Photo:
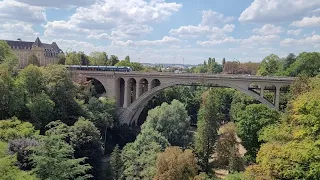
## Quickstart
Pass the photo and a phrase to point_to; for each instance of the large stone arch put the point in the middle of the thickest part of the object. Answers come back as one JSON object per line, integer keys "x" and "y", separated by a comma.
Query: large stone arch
{"x": 131, "y": 114}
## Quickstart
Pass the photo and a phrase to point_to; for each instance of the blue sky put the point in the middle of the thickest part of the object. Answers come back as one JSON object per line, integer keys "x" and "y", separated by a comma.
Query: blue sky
{"x": 159, "y": 31}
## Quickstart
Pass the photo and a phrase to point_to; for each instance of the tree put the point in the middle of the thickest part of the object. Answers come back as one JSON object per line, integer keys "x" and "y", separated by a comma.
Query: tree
{"x": 250, "y": 122}
{"x": 32, "y": 80}
{"x": 14, "y": 129}
{"x": 290, "y": 59}
{"x": 227, "y": 148}
{"x": 98, "y": 58}
{"x": 33, "y": 59}
{"x": 84, "y": 59}
{"x": 54, "y": 159}
{"x": 85, "y": 140}
{"x": 139, "y": 157}
{"x": 176, "y": 164}
{"x": 8, "y": 170}
{"x": 61, "y": 59}
{"x": 307, "y": 64}
{"x": 269, "y": 66}
{"x": 5, "y": 51}
{"x": 41, "y": 109}
{"x": 231, "y": 67}
{"x": 101, "y": 113}
{"x": 223, "y": 62}
{"x": 22, "y": 149}
{"x": 62, "y": 91}
{"x": 113, "y": 60}
{"x": 116, "y": 163}
{"x": 172, "y": 121}
{"x": 291, "y": 147}
{"x": 72, "y": 59}
{"x": 127, "y": 58}
{"x": 207, "y": 131}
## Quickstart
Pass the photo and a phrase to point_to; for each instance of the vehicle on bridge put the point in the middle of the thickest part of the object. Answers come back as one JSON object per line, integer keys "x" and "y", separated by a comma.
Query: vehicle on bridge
{"x": 100, "y": 68}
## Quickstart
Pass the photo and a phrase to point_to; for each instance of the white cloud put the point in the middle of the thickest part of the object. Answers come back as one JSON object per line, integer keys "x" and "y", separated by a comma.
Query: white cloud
{"x": 11, "y": 10}
{"x": 218, "y": 41}
{"x": 193, "y": 31}
{"x": 109, "y": 19}
{"x": 307, "y": 22}
{"x": 20, "y": 30}
{"x": 268, "y": 29}
{"x": 63, "y": 29}
{"x": 109, "y": 13}
{"x": 311, "y": 40}
{"x": 211, "y": 18}
{"x": 294, "y": 32}
{"x": 73, "y": 45}
{"x": 58, "y": 3}
{"x": 122, "y": 32}
{"x": 259, "y": 40}
{"x": 196, "y": 31}
{"x": 165, "y": 40}
{"x": 277, "y": 10}
{"x": 226, "y": 29}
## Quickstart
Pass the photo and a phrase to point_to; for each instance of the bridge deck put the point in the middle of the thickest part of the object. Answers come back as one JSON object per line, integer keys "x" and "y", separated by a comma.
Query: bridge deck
{"x": 189, "y": 75}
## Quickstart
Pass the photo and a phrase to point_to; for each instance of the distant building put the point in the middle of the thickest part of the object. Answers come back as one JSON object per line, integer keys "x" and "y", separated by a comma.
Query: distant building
{"x": 46, "y": 53}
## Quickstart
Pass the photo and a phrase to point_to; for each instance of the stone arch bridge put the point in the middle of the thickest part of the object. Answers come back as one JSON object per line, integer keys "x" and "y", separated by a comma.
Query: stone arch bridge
{"x": 133, "y": 90}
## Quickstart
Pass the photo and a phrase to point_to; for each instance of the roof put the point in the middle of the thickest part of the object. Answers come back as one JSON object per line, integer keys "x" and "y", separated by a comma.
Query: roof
{"x": 28, "y": 45}
{"x": 37, "y": 43}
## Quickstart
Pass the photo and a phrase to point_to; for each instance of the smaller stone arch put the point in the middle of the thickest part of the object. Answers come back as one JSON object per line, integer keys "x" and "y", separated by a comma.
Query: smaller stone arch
{"x": 143, "y": 86}
{"x": 120, "y": 90}
{"x": 132, "y": 91}
{"x": 283, "y": 101}
{"x": 269, "y": 93}
{"x": 256, "y": 88}
{"x": 155, "y": 83}
{"x": 98, "y": 86}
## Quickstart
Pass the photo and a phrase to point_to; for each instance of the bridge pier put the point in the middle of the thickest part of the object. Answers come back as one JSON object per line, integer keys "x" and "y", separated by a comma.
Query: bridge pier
{"x": 277, "y": 98}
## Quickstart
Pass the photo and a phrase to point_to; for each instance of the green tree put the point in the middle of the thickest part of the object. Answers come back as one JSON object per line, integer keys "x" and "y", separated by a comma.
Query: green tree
{"x": 98, "y": 58}
{"x": 113, "y": 60}
{"x": 85, "y": 140}
{"x": 62, "y": 59}
{"x": 12, "y": 98}
{"x": 14, "y": 129}
{"x": 72, "y": 59}
{"x": 33, "y": 59}
{"x": 5, "y": 51}
{"x": 54, "y": 159}
{"x": 62, "y": 91}
{"x": 223, "y": 62}
{"x": 32, "y": 80}
{"x": 177, "y": 164}
{"x": 250, "y": 122}
{"x": 172, "y": 121}
{"x": 41, "y": 109}
{"x": 207, "y": 131}
{"x": 307, "y": 64}
{"x": 8, "y": 170}
{"x": 127, "y": 58}
{"x": 290, "y": 59}
{"x": 116, "y": 163}
{"x": 139, "y": 157}
{"x": 239, "y": 102}
{"x": 269, "y": 66}
{"x": 101, "y": 113}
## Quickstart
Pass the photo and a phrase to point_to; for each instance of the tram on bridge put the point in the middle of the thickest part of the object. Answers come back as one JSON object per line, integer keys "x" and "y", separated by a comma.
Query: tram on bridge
{"x": 99, "y": 68}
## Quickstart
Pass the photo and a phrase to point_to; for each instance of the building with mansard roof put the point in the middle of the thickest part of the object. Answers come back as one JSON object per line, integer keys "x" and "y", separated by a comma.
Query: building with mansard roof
{"x": 46, "y": 53}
